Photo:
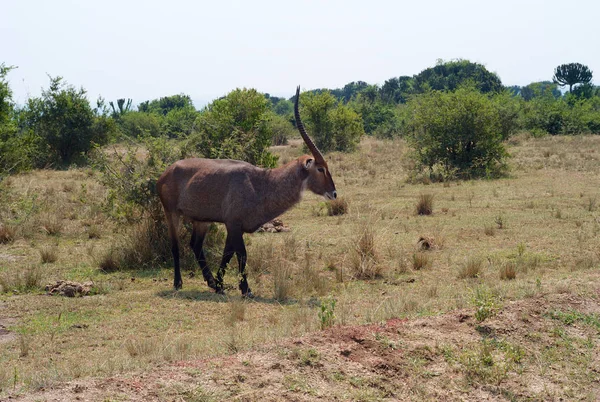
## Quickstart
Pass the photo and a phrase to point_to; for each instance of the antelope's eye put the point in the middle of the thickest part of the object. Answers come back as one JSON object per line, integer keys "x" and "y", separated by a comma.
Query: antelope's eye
{"x": 321, "y": 170}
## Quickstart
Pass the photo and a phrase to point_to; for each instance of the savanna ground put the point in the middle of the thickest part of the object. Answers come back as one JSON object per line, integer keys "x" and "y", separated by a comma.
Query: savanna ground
{"x": 504, "y": 305}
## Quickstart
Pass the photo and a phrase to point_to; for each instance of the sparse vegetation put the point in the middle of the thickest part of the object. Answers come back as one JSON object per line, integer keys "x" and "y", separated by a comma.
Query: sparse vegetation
{"x": 295, "y": 275}
{"x": 339, "y": 206}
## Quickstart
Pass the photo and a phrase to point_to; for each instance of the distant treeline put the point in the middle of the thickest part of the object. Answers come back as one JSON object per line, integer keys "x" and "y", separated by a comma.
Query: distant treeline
{"x": 61, "y": 127}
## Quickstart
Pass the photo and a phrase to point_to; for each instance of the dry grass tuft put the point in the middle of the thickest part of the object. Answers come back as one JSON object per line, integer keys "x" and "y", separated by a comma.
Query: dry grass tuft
{"x": 489, "y": 230}
{"x": 111, "y": 260}
{"x": 7, "y": 234}
{"x": 282, "y": 281}
{"x": 52, "y": 225}
{"x": 425, "y": 204}
{"x": 364, "y": 261}
{"x": 471, "y": 269}
{"x": 420, "y": 260}
{"x": 339, "y": 206}
{"x": 48, "y": 255}
{"x": 94, "y": 232}
{"x": 237, "y": 311}
{"x": 508, "y": 271}
{"x": 27, "y": 280}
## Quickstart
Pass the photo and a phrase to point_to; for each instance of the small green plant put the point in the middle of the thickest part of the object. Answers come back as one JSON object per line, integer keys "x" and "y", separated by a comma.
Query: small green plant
{"x": 485, "y": 302}
{"x": 327, "y": 313}
{"x": 521, "y": 249}
{"x": 591, "y": 204}
{"x": 424, "y": 204}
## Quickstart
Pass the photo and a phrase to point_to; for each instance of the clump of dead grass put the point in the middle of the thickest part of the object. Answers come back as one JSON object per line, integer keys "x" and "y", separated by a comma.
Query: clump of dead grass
{"x": 424, "y": 204}
{"x": 282, "y": 281}
{"x": 420, "y": 260}
{"x": 508, "y": 271}
{"x": 364, "y": 260}
{"x": 52, "y": 225}
{"x": 48, "y": 254}
{"x": 471, "y": 269}
{"x": 25, "y": 280}
{"x": 7, "y": 234}
{"x": 338, "y": 206}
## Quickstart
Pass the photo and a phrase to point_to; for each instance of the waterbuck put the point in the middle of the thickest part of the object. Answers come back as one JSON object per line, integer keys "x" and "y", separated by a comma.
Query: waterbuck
{"x": 238, "y": 194}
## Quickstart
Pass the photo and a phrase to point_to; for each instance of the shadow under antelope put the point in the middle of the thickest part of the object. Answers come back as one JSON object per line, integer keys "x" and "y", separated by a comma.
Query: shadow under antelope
{"x": 238, "y": 194}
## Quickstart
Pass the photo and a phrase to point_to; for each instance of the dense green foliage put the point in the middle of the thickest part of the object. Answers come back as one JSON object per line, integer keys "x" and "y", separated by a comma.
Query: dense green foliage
{"x": 459, "y": 131}
{"x": 451, "y": 75}
{"x": 332, "y": 125}
{"x": 236, "y": 127}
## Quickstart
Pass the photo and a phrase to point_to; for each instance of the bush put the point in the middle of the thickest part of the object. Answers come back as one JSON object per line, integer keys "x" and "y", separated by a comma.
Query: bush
{"x": 236, "y": 127}
{"x": 333, "y": 126}
{"x": 66, "y": 122}
{"x": 460, "y": 130}
{"x": 140, "y": 124}
{"x": 281, "y": 128}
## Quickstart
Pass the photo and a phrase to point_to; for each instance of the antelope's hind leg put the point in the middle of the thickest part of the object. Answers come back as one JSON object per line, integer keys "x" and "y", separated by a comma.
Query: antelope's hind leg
{"x": 198, "y": 234}
{"x": 240, "y": 251}
{"x": 173, "y": 225}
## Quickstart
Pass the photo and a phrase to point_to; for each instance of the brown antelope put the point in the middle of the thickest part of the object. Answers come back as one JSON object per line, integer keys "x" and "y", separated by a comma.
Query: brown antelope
{"x": 238, "y": 194}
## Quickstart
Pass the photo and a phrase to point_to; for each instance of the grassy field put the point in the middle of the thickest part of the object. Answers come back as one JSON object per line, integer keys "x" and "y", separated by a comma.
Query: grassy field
{"x": 514, "y": 261}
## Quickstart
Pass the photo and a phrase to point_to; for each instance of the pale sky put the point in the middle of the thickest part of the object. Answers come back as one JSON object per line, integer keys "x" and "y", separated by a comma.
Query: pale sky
{"x": 148, "y": 49}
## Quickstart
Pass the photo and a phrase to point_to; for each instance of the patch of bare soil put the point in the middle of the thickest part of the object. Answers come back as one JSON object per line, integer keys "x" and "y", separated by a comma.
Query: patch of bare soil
{"x": 448, "y": 357}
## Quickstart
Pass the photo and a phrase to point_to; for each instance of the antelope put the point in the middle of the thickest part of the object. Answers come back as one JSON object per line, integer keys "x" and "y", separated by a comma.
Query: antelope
{"x": 238, "y": 194}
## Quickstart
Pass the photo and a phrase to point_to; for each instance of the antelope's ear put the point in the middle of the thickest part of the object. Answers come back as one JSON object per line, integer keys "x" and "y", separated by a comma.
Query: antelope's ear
{"x": 308, "y": 163}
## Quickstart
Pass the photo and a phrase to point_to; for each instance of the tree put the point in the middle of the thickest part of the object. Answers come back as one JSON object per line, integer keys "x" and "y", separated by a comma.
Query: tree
{"x": 453, "y": 74}
{"x": 571, "y": 74}
{"x": 460, "y": 130}
{"x": 539, "y": 89}
{"x": 236, "y": 126}
{"x": 65, "y": 121}
{"x": 121, "y": 109}
{"x": 333, "y": 125}
{"x": 166, "y": 104}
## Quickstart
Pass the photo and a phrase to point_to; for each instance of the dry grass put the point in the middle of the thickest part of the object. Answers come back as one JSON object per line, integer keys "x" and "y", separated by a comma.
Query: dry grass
{"x": 424, "y": 205}
{"x": 133, "y": 326}
{"x": 364, "y": 260}
{"x": 508, "y": 271}
{"x": 420, "y": 260}
{"x": 471, "y": 269}
{"x": 336, "y": 207}
{"x": 7, "y": 234}
{"x": 48, "y": 254}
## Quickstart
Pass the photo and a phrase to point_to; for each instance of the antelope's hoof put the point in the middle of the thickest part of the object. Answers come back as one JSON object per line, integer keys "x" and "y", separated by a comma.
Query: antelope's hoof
{"x": 220, "y": 291}
{"x": 248, "y": 295}
{"x": 212, "y": 284}
{"x": 178, "y": 286}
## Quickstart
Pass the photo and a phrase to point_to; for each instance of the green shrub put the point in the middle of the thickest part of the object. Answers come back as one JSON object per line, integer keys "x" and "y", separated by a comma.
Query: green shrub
{"x": 332, "y": 125}
{"x": 236, "y": 127}
{"x": 460, "y": 130}
{"x": 66, "y": 122}
{"x": 140, "y": 124}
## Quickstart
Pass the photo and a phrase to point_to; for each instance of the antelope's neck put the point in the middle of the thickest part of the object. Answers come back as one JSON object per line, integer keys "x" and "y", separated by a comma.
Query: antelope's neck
{"x": 285, "y": 186}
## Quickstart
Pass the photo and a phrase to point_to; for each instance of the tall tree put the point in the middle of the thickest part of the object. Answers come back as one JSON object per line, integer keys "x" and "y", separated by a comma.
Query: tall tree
{"x": 572, "y": 74}
{"x": 452, "y": 74}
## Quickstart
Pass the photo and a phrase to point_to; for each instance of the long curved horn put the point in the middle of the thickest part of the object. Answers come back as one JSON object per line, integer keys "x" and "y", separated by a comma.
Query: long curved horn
{"x": 311, "y": 146}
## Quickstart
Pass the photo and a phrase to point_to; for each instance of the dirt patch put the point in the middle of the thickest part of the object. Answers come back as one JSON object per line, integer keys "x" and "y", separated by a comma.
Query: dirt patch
{"x": 447, "y": 357}
{"x": 69, "y": 288}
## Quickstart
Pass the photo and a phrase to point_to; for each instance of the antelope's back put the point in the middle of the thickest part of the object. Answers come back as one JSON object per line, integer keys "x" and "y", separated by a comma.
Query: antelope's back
{"x": 204, "y": 189}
